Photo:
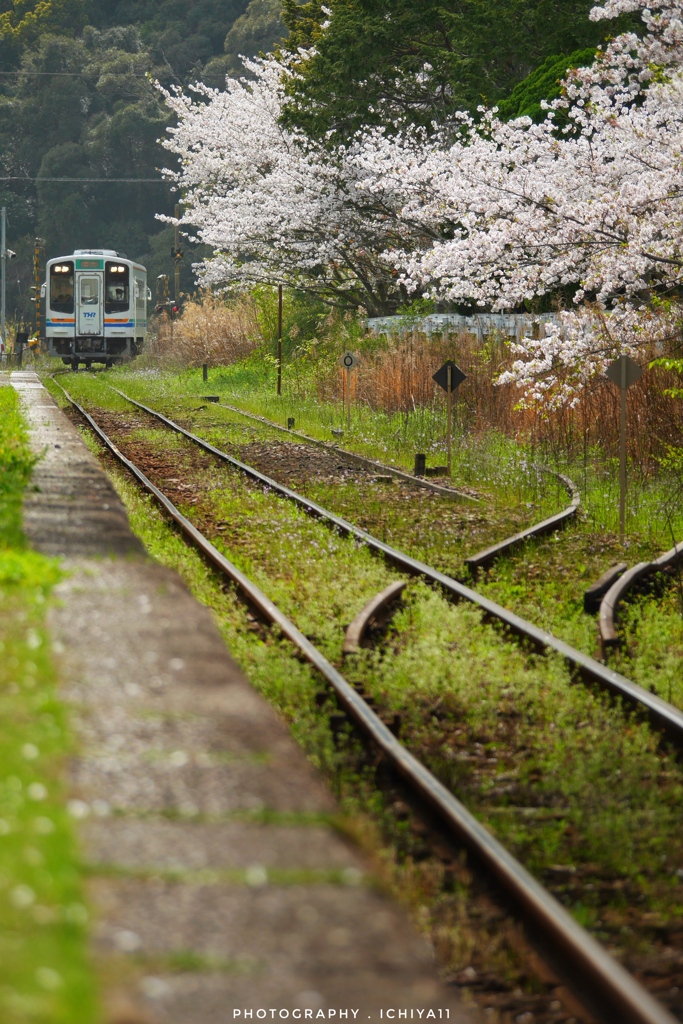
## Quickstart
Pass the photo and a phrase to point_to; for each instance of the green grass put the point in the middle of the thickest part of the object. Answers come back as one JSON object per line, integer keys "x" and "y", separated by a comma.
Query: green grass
{"x": 561, "y": 774}
{"x": 545, "y": 581}
{"x": 45, "y": 975}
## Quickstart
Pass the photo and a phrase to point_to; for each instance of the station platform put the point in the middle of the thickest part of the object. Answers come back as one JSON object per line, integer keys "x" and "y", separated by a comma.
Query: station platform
{"x": 221, "y": 888}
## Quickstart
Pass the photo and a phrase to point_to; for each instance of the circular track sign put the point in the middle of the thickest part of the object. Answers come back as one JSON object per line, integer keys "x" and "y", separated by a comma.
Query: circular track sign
{"x": 348, "y": 360}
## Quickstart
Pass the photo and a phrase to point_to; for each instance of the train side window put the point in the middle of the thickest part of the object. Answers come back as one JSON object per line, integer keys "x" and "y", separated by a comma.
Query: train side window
{"x": 62, "y": 287}
{"x": 116, "y": 288}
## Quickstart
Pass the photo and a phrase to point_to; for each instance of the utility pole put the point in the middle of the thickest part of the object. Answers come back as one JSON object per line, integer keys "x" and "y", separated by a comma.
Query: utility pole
{"x": 177, "y": 255}
{"x": 37, "y": 283}
{"x": 3, "y": 281}
{"x": 279, "y": 340}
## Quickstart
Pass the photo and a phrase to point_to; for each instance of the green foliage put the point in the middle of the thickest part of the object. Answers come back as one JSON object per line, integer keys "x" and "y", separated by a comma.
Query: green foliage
{"x": 673, "y": 365}
{"x": 542, "y": 84}
{"x": 26, "y": 20}
{"x": 384, "y": 59}
{"x": 16, "y": 464}
{"x": 256, "y": 31}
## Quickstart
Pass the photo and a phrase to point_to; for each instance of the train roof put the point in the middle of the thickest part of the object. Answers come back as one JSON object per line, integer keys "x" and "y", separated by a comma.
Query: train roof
{"x": 107, "y": 253}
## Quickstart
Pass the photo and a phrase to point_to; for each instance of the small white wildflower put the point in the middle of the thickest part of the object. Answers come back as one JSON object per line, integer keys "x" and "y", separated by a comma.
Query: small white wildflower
{"x": 33, "y": 641}
{"x": 154, "y": 988}
{"x": 78, "y": 809}
{"x": 43, "y": 826}
{"x": 30, "y": 751}
{"x": 37, "y": 791}
{"x": 256, "y": 875}
{"x": 48, "y": 979}
{"x": 76, "y": 913}
{"x": 127, "y": 941}
{"x": 22, "y": 896}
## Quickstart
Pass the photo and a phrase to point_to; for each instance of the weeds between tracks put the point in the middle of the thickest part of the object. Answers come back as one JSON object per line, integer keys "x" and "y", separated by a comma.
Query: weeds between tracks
{"x": 575, "y": 787}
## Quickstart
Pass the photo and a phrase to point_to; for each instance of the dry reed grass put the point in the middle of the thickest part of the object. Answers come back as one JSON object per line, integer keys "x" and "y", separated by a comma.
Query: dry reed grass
{"x": 208, "y": 331}
{"x": 398, "y": 378}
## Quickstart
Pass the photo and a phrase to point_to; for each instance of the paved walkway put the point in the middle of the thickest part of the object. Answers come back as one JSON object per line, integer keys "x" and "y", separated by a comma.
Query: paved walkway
{"x": 219, "y": 883}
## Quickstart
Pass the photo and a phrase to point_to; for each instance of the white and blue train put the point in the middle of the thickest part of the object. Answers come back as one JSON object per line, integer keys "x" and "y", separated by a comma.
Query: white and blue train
{"x": 95, "y": 307}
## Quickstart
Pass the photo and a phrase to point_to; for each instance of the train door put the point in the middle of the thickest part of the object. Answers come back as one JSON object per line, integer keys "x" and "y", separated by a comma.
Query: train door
{"x": 89, "y": 304}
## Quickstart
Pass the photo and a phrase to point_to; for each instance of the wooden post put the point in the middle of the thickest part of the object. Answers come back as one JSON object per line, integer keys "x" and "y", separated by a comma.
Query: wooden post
{"x": 449, "y": 401}
{"x": 348, "y": 399}
{"x": 279, "y": 340}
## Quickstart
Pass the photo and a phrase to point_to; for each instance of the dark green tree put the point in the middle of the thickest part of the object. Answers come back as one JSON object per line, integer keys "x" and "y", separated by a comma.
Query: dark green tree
{"x": 397, "y": 61}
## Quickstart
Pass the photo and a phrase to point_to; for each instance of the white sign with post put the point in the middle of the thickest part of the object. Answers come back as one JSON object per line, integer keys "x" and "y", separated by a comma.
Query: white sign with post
{"x": 349, "y": 361}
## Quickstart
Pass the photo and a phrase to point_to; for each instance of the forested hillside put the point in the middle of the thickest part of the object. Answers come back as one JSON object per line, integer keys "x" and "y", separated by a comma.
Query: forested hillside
{"x": 76, "y": 103}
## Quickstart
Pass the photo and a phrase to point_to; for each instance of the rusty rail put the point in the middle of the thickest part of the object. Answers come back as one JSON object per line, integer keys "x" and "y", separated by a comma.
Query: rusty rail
{"x": 380, "y": 603}
{"x": 609, "y": 637}
{"x": 594, "y": 594}
{"x": 601, "y": 983}
{"x": 488, "y": 555}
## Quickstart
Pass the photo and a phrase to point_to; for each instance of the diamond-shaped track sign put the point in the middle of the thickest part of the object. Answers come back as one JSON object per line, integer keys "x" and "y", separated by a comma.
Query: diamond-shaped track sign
{"x": 457, "y": 376}
{"x": 624, "y": 372}
{"x": 348, "y": 360}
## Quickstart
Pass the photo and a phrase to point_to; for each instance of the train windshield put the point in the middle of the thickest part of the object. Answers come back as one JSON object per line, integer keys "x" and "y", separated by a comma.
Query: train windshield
{"x": 116, "y": 288}
{"x": 62, "y": 287}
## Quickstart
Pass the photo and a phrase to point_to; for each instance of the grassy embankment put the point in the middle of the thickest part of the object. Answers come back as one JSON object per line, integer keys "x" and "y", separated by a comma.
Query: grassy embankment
{"x": 560, "y": 774}
{"x": 44, "y": 971}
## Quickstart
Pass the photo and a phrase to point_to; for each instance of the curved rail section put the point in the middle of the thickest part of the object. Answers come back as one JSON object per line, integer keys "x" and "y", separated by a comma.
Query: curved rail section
{"x": 373, "y": 609}
{"x": 662, "y": 714}
{"x": 609, "y": 637}
{"x": 358, "y": 460}
{"x": 488, "y": 555}
{"x": 593, "y": 596}
{"x": 600, "y": 981}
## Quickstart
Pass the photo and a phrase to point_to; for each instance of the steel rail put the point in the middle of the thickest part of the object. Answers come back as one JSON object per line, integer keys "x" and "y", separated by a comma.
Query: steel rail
{"x": 594, "y": 594}
{"x": 661, "y": 714}
{"x": 483, "y": 558}
{"x": 359, "y": 460}
{"x": 599, "y": 981}
{"x": 379, "y": 603}
{"x": 609, "y": 637}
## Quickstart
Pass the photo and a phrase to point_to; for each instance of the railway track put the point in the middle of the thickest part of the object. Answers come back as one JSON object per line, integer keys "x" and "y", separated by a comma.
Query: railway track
{"x": 662, "y": 715}
{"x": 599, "y": 982}
{"x": 481, "y": 559}
{"x": 617, "y": 592}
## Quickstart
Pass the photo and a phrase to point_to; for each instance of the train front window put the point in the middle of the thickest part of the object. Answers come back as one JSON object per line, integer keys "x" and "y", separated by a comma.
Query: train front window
{"x": 116, "y": 288}
{"x": 62, "y": 287}
{"x": 90, "y": 291}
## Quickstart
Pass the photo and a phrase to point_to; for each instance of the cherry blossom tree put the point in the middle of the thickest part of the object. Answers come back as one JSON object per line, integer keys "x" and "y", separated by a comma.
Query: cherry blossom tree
{"x": 591, "y": 206}
{"x": 276, "y": 207}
